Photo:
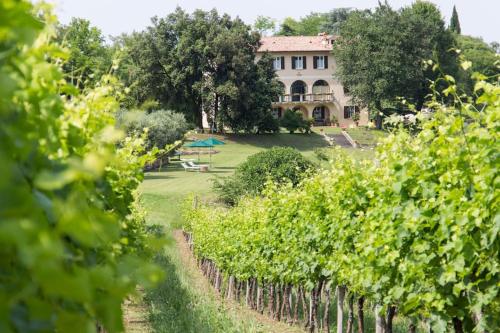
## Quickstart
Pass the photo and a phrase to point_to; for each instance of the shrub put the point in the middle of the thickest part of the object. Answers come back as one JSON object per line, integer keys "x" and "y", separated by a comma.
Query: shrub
{"x": 278, "y": 164}
{"x": 268, "y": 124}
{"x": 320, "y": 154}
{"x": 292, "y": 120}
{"x": 164, "y": 127}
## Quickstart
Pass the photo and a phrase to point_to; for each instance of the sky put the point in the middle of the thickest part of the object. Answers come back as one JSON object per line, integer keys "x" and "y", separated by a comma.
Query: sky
{"x": 479, "y": 18}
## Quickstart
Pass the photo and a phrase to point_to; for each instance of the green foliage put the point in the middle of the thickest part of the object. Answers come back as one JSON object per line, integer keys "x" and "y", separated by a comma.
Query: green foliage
{"x": 417, "y": 229}
{"x": 292, "y": 120}
{"x": 315, "y": 23}
{"x": 189, "y": 62}
{"x": 89, "y": 58}
{"x": 381, "y": 52}
{"x": 278, "y": 165}
{"x": 454, "y": 22}
{"x": 72, "y": 237}
{"x": 264, "y": 24}
{"x": 483, "y": 59}
{"x": 163, "y": 127}
{"x": 268, "y": 124}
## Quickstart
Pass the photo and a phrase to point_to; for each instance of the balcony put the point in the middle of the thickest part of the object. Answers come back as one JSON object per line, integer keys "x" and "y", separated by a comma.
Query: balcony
{"x": 306, "y": 98}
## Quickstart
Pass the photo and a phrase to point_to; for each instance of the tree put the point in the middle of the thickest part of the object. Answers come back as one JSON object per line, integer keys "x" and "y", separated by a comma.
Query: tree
{"x": 315, "y": 23}
{"x": 454, "y": 22}
{"x": 483, "y": 59}
{"x": 89, "y": 58}
{"x": 264, "y": 25}
{"x": 381, "y": 52}
{"x": 202, "y": 62}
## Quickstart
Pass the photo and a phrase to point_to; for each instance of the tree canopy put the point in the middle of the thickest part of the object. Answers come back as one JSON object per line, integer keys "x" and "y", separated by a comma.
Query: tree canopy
{"x": 314, "y": 23}
{"x": 89, "y": 57}
{"x": 202, "y": 62}
{"x": 378, "y": 67}
{"x": 454, "y": 22}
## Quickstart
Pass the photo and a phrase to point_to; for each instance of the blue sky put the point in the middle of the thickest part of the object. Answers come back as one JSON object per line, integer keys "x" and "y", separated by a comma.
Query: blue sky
{"x": 477, "y": 18}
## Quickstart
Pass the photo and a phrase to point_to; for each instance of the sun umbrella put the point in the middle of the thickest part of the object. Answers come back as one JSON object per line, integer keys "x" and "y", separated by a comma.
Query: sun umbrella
{"x": 214, "y": 141}
{"x": 201, "y": 144}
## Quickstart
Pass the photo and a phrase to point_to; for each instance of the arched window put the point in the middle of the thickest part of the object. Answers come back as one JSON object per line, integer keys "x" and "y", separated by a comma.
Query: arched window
{"x": 298, "y": 91}
{"x": 319, "y": 113}
{"x": 321, "y": 90}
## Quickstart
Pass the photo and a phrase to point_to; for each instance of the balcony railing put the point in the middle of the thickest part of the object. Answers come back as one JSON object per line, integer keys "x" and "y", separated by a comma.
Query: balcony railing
{"x": 305, "y": 98}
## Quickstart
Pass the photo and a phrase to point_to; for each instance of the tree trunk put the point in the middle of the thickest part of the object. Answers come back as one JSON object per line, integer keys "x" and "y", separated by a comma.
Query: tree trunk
{"x": 247, "y": 293}
{"x": 350, "y": 315}
{"x": 326, "y": 313}
{"x": 296, "y": 307}
{"x": 340, "y": 308}
{"x": 391, "y": 311}
{"x": 284, "y": 300}
{"x": 287, "y": 301}
{"x": 378, "y": 117}
{"x": 217, "y": 281}
{"x": 305, "y": 310}
{"x": 230, "y": 288}
{"x": 270, "y": 304}
{"x": 413, "y": 328}
{"x": 457, "y": 325}
{"x": 277, "y": 311}
{"x": 313, "y": 311}
{"x": 379, "y": 320}
{"x": 361, "y": 315}
{"x": 260, "y": 298}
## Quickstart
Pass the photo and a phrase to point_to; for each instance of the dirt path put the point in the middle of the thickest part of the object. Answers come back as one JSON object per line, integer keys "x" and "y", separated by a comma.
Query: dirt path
{"x": 242, "y": 313}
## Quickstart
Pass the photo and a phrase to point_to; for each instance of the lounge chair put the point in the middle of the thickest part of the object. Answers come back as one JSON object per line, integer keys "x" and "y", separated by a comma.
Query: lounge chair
{"x": 192, "y": 164}
{"x": 190, "y": 168}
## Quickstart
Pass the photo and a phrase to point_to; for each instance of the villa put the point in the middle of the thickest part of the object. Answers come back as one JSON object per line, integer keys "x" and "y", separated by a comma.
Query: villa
{"x": 305, "y": 67}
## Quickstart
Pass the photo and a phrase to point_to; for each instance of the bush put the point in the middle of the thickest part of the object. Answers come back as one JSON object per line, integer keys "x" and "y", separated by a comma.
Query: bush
{"x": 292, "y": 120}
{"x": 268, "y": 124}
{"x": 320, "y": 154}
{"x": 164, "y": 127}
{"x": 278, "y": 164}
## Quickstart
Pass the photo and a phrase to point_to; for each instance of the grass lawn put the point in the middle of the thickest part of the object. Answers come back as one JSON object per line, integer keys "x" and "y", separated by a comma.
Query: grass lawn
{"x": 163, "y": 191}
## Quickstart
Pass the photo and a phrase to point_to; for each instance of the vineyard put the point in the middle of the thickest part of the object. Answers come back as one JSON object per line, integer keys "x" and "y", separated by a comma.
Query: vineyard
{"x": 412, "y": 234}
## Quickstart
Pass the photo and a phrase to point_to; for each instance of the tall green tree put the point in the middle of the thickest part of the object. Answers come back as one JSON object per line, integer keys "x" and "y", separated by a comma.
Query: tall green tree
{"x": 201, "y": 62}
{"x": 454, "y": 22}
{"x": 381, "y": 52}
{"x": 89, "y": 57}
{"x": 314, "y": 23}
{"x": 264, "y": 25}
{"x": 483, "y": 60}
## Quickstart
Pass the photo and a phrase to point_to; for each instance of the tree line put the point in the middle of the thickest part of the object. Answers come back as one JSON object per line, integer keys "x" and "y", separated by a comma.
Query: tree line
{"x": 205, "y": 61}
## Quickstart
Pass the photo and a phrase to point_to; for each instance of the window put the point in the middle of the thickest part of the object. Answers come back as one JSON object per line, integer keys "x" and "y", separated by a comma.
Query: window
{"x": 349, "y": 111}
{"x": 320, "y": 62}
{"x": 299, "y": 62}
{"x": 277, "y": 63}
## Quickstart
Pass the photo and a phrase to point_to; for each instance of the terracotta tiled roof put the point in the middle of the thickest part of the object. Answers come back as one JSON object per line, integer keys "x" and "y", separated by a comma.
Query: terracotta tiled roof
{"x": 296, "y": 43}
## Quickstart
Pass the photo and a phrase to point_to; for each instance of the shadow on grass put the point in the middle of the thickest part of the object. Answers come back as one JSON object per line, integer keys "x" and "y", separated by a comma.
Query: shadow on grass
{"x": 301, "y": 142}
{"x": 156, "y": 175}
